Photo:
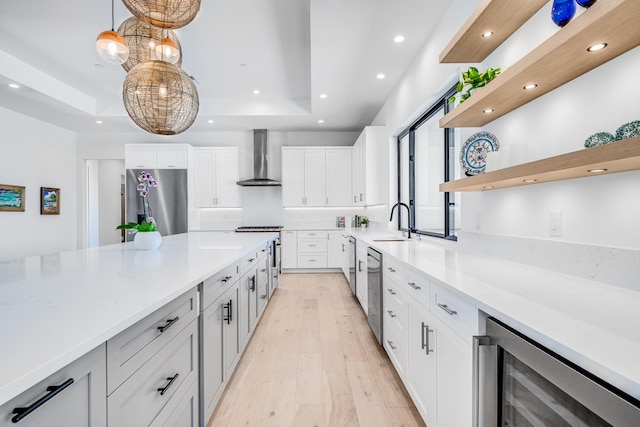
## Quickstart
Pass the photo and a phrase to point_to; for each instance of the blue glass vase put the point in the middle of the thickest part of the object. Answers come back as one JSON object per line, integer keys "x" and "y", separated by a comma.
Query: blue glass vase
{"x": 586, "y": 3}
{"x": 562, "y": 12}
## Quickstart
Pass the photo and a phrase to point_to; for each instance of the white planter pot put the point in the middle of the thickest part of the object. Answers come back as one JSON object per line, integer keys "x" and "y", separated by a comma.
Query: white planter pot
{"x": 147, "y": 240}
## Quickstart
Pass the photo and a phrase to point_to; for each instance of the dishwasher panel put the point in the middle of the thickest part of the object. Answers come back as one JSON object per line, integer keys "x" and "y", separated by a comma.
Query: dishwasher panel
{"x": 374, "y": 284}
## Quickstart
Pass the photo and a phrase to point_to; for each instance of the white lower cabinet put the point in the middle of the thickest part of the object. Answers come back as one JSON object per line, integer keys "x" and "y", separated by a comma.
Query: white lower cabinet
{"x": 78, "y": 400}
{"x": 361, "y": 277}
{"x": 433, "y": 359}
{"x": 421, "y": 382}
{"x": 288, "y": 249}
{"x": 231, "y": 330}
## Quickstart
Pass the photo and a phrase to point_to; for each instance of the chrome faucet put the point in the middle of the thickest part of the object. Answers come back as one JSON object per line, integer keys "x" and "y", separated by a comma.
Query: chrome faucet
{"x": 408, "y": 216}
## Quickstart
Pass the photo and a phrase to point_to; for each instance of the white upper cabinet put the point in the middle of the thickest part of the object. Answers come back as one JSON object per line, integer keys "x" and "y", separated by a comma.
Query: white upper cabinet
{"x": 338, "y": 172}
{"x": 215, "y": 172}
{"x": 155, "y": 156}
{"x": 293, "y": 177}
{"x": 370, "y": 167}
{"x": 316, "y": 176}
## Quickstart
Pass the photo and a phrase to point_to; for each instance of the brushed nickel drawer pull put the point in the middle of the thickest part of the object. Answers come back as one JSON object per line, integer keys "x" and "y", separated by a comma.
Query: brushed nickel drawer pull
{"x": 446, "y": 308}
{"x": 391, "y": 291}
{"x": 393, "y": 347}
{"x": 391, "y": 313}
{"x": 414, "y": 286}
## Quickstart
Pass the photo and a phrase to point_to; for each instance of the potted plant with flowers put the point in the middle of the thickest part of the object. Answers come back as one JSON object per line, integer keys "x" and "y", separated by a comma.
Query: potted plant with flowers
{"x": 147, "y": 235}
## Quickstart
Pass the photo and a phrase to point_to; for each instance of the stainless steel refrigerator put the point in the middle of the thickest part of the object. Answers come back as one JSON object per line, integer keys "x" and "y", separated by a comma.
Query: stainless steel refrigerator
{"x": 168, "y": 200}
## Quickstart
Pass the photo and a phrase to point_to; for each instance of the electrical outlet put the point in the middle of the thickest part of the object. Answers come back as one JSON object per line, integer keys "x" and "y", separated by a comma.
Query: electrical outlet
{"x": 555, "y": 224}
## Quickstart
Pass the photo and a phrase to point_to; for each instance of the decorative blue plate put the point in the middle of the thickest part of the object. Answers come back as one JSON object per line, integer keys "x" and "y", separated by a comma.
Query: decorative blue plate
{"x": 473, "y": 154}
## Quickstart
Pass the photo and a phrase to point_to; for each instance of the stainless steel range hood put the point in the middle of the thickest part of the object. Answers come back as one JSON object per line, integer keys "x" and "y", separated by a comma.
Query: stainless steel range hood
{"x": 260, "y": 178}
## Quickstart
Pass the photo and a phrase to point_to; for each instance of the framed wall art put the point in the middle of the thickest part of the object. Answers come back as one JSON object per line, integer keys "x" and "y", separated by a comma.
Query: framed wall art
{"x": 12, "y": 198}
{"x": 49, "y": 201}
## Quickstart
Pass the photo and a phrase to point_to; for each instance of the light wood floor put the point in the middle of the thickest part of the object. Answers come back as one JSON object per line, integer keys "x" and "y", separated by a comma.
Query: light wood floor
{"x": 313, "y": 361}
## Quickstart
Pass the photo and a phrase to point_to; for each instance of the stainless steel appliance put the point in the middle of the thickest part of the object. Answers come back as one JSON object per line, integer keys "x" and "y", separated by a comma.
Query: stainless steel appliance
{"x": 260, "y": 163}
{"x": 168, "y": 201}
{"x": 518, "y": 382}
{"x": 374, "y": 292}
{"x": 352, "y": 264}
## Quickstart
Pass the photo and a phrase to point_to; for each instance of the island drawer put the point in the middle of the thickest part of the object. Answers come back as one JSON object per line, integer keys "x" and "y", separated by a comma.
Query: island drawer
{"x": 132, "y": 348}
{"x": 248, "y": 262}
{"x": 455, "y": 312}
{"x": 217, "y": 284}
{"x": 171, "y": 372}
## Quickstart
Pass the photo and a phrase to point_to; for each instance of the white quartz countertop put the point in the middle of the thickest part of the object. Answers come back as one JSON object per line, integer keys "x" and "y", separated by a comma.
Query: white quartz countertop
{"x": 56, "y": 308}
{"x": 592, "y": 324}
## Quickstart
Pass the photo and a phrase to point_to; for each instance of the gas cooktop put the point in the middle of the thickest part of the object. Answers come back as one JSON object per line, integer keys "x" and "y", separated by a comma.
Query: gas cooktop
{"x": 258, "y": 228}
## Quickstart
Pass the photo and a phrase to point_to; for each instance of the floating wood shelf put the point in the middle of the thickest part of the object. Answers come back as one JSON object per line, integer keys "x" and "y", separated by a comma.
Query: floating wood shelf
{"x": 501, "y": 17}
{"x": 620, "y": 156}
{"x": 558, "y": 60}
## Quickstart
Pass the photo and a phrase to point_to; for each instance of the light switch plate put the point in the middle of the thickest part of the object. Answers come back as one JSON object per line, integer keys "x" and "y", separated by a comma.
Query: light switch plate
{"x": 555, "y": 224}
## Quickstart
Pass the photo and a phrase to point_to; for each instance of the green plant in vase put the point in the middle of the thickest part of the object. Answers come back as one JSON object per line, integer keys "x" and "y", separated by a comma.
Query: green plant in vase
{"x": 145, "y": 182}
{"x": 473, "y": 79}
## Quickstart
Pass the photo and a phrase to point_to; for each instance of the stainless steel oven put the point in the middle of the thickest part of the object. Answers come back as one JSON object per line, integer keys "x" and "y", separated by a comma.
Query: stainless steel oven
{"x": 518, "y": 382}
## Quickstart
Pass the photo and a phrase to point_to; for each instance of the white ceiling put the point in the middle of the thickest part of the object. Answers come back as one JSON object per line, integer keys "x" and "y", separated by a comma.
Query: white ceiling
{"x": 294, "y": 50}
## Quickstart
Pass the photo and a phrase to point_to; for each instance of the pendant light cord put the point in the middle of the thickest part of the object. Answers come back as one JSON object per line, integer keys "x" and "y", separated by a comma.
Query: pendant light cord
{"x": 112, "y": 15}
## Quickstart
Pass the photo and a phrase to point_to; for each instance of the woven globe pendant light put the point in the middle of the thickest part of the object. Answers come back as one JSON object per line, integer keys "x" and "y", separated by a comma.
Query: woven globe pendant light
{"x": 160, "y": 98}
{"x": 170, "y": 14}
{"x": 143, "y": 39}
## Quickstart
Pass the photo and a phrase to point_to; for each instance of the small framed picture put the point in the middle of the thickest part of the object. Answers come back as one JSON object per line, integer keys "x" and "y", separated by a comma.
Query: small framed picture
{"x": 12, "y": 198}
{"x": 49, "y": 201}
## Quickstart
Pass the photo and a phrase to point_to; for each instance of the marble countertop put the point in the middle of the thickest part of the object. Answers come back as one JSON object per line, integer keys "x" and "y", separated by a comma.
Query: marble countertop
{"x": 592, "y": 324}
{"x": 56, "y": 308}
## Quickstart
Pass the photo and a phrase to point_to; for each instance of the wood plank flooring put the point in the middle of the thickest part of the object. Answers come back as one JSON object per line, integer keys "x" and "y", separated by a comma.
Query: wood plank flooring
{"x": 313, "y": 361}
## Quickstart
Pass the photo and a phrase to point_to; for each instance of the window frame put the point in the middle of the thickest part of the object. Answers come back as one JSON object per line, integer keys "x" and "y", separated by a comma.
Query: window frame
{"x": 449, "y": 137}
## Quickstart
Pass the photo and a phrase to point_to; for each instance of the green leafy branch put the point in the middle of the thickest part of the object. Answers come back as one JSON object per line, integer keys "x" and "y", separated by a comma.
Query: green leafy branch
{"x": 473, "y": 79}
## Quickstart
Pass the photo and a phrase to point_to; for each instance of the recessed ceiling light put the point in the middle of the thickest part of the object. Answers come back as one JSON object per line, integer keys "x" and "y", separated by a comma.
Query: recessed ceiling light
{"x": 527, "y": 181}
{"x": 99, "y": 122}
{"x": 487, "y": 34}
{"x": 256, "y": 92}
{"x": 488, "y": 187}
{"x": 321, "y": 121}
{"x": 488, "y": 110}
{"x": 14, "y": 86}
{"x": 380, "y": 76}
{"x": 597, "y": 170}
{"x": 530, "y": 86}
{"x": 209, "y": 121}
{"x": 597, "y": 47}
{"x": 323, "y": 95}
{"x": 399, "y": 38}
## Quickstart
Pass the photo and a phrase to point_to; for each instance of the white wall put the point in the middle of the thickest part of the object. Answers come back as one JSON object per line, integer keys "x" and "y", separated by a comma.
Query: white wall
{"x": 36, "y": 154}
{"x": 109, "y": 180}
{"x": 602, "y": 210}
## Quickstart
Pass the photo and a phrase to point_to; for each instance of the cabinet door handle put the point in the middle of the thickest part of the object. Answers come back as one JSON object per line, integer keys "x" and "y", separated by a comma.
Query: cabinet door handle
{"x": 393, "y": 347}
{"x": 355, "y": 199}
{"x": 164, "y": 389}
{"x": 391, "y": 291}
{"x": 343, "y": 247}
{"x": 446, "y": 308}
{"x": 263, "y": 296}
{"x": 360, "y": 196}
{"x": 171, "y": 166}
{"x": 230, "y": 311}
{"x": 414, "y": 286}
{"x": 252, "y": 287}
{"x": 52, "y": 390}
{"x": 169, "y": 324}
{"x": 312, "y": 246}
{"x": 391, "y": 269}
{"x": 251, "y": 260}
{"x": 391, "y": 313}
{"x": 359, "y": 265}
{"x": 227, "y": 316}
{"x": 226, "y": 279}
{"x": 264, "y": 270}
{"x": 425, "y": 338}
